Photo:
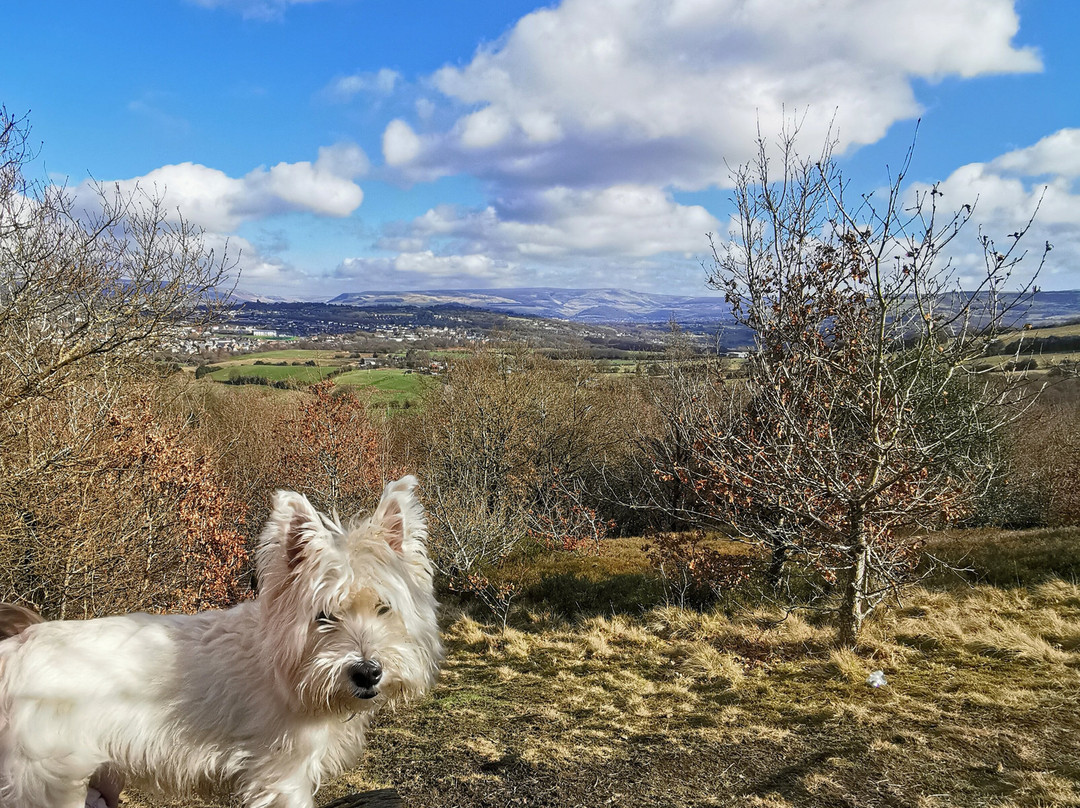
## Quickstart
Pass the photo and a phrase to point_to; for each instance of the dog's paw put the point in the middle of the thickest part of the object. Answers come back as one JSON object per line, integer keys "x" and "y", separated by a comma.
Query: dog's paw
{"x": 94, "y": 799}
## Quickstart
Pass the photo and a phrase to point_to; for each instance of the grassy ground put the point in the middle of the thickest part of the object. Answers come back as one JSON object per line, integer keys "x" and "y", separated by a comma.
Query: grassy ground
{"x": 1069, "y": 330}
{"x": 655, "y": 706}
{"x": 1045, "y": 361}
{"x": 387, "y": 385}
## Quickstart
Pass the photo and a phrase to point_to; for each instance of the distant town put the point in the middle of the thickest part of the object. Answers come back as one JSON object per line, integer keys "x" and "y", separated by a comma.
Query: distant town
{"x": 639, "y": 327}
{"x": 253, "y": 327}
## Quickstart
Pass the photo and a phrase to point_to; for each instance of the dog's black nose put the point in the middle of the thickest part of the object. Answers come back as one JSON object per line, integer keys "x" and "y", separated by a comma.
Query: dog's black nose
{"x": 367, "y": 674}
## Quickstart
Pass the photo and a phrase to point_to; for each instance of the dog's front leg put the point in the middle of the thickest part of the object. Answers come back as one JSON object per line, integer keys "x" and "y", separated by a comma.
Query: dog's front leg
{"x": 293, "y": 800}
{"x": 298, "y": 793}
{"x": 109, "y": 783}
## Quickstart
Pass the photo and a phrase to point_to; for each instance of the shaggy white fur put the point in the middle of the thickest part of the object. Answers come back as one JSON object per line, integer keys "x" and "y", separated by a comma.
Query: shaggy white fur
{"x": 264, "y": 699}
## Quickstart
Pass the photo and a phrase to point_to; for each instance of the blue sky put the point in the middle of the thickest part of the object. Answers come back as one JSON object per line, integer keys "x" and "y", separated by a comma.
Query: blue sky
{"x": 348, "y": 145}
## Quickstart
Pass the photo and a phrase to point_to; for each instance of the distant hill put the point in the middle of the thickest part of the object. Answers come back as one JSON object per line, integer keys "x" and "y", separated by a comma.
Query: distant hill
{"x": 583, "y": 305}
{"x": 1055, "y": 307}
{"x": 627, "y": 306}
{"x": 244, "y": 296}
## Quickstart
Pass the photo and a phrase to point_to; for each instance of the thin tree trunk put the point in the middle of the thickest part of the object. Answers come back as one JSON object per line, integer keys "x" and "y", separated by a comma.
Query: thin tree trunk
{"x": 854, "y": 605}
{"x": 775, "y": 574}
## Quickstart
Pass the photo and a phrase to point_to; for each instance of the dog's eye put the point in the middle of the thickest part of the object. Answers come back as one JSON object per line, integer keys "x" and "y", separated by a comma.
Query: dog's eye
{"x": 382, "y": 609}
{"x": 325, "y": 619}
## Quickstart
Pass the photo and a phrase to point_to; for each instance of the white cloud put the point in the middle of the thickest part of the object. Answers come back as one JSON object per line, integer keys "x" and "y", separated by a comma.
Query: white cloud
{"x": 598, "y": 92}
{"x": 428, "y": 264}
{"x": 484, "y": 129}
{"x": 254, "y": 9}
{"x": 343, "y": 159}
{"x": 628, "y": 235}
{"x": 425, "y": 269}
{"x": 1007, "y": 190}
{"x": 400, "y": 143}
{"x": 380, "y": 83}
{"x": 256, "y": 269}
{"x": 1058, "y": 154}
{"x": 219, "y": 203}
{"x": 425, "y": 108}
{"x": 562, "y": 223}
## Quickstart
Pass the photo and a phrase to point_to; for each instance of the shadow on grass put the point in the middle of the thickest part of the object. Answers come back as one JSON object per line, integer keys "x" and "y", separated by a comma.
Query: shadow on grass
{"x": 572, "y": 595}
{"x": 1008, "y": 558}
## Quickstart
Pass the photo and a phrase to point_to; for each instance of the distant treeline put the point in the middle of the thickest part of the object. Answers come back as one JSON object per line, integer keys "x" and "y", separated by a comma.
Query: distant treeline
{"x": 238, "y": 377}
{"x": 280, "y": 384}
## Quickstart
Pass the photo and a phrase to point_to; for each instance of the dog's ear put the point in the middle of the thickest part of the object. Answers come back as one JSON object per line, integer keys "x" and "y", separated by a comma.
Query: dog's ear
{"x": 400, "y": 516}
{"x": 294, "y": 527}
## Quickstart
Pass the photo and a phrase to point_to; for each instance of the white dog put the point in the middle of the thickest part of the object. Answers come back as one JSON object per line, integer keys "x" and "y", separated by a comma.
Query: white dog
{"x": 264, "y": 699}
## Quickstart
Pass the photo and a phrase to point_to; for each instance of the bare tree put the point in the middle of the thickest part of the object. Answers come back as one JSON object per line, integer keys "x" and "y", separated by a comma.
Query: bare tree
{"x": 98, "y": 500}
{"x": 862, "y": 419}
{"x": 88, "y": 285}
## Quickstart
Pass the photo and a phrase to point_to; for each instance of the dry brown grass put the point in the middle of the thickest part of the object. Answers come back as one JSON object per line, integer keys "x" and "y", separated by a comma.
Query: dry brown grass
{"x": 678, "y": 708}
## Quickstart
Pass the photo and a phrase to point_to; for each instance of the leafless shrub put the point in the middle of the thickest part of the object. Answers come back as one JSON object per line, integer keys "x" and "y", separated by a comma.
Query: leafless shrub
{"x": 87, "y": 288}
{"x": 507, "y": 446}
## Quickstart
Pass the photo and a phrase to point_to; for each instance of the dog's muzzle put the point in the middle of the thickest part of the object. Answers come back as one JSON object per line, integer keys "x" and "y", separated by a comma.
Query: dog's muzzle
{"x": 364, "y": 676}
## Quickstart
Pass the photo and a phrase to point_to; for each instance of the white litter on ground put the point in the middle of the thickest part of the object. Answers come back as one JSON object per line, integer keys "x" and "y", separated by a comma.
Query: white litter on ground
{"x": 876, "y": 679}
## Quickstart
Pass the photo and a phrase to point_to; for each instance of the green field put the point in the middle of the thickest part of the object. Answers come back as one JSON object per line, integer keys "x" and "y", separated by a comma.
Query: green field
{"x": 388, "y": 386}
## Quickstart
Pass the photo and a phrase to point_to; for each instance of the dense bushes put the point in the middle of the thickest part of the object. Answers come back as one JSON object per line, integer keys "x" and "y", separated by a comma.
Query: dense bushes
{"x": 111, "y": 503}
{"x": 149, "y": 496}
{"x": 508, "y": 450}
{"x": 265, "y": 381}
